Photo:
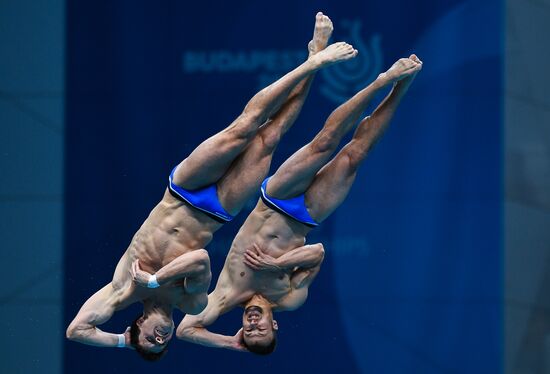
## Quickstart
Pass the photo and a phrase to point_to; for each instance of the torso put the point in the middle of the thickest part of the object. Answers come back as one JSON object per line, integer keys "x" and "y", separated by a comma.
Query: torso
{"x": 172, "y": 229}
{"x": 275, "y": 234}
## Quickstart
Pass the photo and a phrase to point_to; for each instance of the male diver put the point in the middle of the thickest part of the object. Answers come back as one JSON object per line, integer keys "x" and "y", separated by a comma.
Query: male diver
{"x": 165, "y": 265}
{"x": 269, "y": 268}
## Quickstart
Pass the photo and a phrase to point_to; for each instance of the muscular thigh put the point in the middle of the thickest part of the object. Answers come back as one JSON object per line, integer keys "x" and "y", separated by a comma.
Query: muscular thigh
{"x": 244, "y": 178}
{"x": 330, "y": 187}
{"x": 209, "y": 161}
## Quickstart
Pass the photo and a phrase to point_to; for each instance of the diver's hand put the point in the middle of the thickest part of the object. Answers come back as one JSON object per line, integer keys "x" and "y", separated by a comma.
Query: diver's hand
{"x": 236, "y": 342}
{"x": 127, "y": 338}
{"x": 255, "y": 259}
{"x": 140, "y": 277}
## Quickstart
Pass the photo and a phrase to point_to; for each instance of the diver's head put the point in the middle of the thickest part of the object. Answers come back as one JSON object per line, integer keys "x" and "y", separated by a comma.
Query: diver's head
{"x": 259, "y": 327}
{"x": 150, "y": 334}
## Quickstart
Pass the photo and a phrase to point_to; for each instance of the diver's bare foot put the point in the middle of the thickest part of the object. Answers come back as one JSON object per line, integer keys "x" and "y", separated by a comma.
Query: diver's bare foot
{"x": 406, "y": 82}
{"x": 404, "y": 68}
{"x": 321, "y": 34}
{"x": 333, "y": 54}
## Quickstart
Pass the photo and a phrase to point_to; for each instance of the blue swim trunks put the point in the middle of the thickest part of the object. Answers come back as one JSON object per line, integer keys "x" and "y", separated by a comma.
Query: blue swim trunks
{"x": 294, "y": 208}
{"x": 204, "y": 199}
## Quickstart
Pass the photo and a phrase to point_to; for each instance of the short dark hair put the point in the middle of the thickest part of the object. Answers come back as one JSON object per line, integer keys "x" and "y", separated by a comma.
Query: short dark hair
{"x": 134, "y": 342}
{"x": 261, "y": 349}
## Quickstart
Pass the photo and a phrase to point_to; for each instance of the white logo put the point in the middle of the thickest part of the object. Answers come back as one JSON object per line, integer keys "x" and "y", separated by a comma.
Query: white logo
{"x": 224, "y": 61}
{"x": 339, "y": 82}
{"x": 343, "y": 80}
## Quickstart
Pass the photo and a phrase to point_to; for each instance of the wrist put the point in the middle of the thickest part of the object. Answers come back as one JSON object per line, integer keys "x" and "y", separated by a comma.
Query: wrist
{"x": 153, "y": 282}
{"x": 382, "y": 80}
{"x": 121, "y": 343}
{"x": 280, "y": 265}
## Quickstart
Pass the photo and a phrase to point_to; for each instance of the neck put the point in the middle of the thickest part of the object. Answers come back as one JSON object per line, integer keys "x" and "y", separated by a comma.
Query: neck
{"x": 260, "y": 301}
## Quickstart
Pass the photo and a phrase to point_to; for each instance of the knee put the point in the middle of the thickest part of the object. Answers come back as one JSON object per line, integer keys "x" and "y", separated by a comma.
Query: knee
{"x": 354, "y": 157}
{"x": 245, "y": 127}
{"x": 239, "y": 134}
{"x": 325, "y": 141}
{"x": 254, "y": 115}
{"x": 269, "y": 139}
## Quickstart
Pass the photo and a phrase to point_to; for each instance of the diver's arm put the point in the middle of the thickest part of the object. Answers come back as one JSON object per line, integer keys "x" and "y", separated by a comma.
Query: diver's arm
{"x": 191, "y": 265}
{"x": 193, "y": 328}
{"x": 97, "y": 310}
{"x": 300, "y": 280}
{"x": 306, "y": 257}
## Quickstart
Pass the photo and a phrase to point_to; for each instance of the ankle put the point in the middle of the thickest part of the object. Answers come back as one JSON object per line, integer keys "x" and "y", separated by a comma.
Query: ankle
{"x": 382, "y": 80}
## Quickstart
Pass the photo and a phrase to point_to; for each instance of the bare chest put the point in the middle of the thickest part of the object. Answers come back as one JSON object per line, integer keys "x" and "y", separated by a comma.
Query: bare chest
{"x": 275, "y": 235}
{"x": 273, "y": 285}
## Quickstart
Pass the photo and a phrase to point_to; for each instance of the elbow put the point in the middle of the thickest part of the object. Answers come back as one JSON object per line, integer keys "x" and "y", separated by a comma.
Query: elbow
{"x": 183, "y": 328}
{"x": 72, "y": 332}
{"x": 180, "y": 333}
{"x": 202, "y": 259}
{"x": 184, "y": 332}
{"x": 319, "y": 252}
{"x": 78, "y": 332}
{"x": 188, "y": 328}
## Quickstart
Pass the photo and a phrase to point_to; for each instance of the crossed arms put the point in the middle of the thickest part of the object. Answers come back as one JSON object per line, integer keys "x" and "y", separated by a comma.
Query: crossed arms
{"x": 194, "y": 266}
{"x": 304, "y": 262}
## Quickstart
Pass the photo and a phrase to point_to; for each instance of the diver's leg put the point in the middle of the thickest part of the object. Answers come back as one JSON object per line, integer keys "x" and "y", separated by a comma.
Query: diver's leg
{"x": 211, "y": 159}
{"x": 332, "y": 184}
{"x": 298, "y": 172}
{"x": 245, "y": 175}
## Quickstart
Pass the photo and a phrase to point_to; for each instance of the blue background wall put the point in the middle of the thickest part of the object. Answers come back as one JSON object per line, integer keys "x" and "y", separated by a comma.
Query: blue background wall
{"x": 412, "y": 279}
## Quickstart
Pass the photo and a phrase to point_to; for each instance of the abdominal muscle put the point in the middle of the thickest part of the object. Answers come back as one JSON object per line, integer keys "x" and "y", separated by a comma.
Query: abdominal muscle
{"x": 172, "y": 229}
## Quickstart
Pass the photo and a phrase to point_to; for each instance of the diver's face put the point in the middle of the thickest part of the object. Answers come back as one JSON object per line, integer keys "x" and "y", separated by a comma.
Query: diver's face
{"x": 258, "y": 326}
{"x": 156, "y": 332}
